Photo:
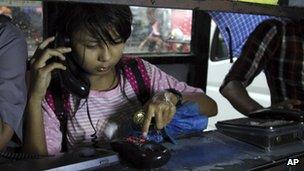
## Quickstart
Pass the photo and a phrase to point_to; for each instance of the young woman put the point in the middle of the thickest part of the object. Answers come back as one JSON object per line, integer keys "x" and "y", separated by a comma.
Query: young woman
{"x": 98, "y": 34}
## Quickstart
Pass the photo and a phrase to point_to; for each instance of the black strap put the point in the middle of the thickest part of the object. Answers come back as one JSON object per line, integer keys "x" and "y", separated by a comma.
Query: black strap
{"x": 230, "y": 44}
{"x": 61, "y": 114}
{"x": 144, "y": 93}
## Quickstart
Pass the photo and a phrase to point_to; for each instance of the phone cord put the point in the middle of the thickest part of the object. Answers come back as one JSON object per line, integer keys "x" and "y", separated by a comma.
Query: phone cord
{"x": 94, "y": 136}
{"x": 18, "y": 156}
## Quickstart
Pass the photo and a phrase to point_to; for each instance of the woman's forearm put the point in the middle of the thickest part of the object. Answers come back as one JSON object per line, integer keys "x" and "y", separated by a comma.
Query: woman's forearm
{"x": 207, "y": 105}
{"x": 34, "y": 138}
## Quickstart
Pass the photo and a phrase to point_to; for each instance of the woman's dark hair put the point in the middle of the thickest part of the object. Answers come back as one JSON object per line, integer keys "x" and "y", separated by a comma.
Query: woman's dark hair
{"x": 99, "y": 20}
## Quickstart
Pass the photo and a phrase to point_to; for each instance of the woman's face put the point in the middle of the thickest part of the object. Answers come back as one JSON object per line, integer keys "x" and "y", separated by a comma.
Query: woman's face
{"x": 96, "y": 57}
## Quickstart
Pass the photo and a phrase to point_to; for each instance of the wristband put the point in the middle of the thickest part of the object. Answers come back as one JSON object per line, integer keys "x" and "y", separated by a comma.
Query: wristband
{"x": 178, "y": 95}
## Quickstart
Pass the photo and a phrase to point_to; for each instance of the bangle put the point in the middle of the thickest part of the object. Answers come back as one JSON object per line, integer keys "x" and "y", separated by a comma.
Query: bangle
{"x": 178, "y": 95}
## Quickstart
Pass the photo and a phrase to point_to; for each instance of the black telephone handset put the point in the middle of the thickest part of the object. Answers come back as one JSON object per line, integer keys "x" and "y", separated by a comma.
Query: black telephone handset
{"x": 70, "y": 78}
{"x": 278, "y": 114}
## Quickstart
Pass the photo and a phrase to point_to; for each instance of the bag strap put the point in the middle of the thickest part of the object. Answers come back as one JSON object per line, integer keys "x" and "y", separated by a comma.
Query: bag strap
{"x": 136, "y": 73}
{"x": 59, "y": 102}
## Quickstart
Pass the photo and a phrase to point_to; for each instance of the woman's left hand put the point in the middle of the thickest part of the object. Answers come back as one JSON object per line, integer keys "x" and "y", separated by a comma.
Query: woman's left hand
{"x": 162, "y": 109}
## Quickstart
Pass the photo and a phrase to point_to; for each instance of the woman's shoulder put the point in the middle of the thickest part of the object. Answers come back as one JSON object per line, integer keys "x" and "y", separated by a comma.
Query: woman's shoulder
{"x": 141, "y": 63}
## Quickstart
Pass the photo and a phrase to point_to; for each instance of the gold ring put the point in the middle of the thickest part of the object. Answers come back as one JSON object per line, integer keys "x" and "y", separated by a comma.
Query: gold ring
{"x": 139, "y": 117}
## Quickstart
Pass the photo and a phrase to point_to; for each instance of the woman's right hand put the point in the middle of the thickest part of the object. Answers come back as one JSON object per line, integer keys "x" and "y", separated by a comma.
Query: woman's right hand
{"x": 41, "y": 71}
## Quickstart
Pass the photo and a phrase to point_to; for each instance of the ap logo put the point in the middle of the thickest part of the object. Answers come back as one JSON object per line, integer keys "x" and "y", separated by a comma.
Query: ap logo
{"x": 292, "y": 162}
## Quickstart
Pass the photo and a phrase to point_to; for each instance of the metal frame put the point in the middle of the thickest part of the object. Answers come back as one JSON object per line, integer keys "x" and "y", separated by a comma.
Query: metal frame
{"x": 20, "y": 3}
{"x": 210, "y": 5}
{"x": 200, "y": 48}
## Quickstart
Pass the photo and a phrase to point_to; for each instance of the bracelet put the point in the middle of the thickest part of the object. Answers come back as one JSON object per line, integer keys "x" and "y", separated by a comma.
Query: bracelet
{"x": 178, "y": 94}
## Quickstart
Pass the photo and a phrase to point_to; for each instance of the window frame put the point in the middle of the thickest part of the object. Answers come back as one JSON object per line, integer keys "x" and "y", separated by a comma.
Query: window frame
{"x": 280, "y": 10}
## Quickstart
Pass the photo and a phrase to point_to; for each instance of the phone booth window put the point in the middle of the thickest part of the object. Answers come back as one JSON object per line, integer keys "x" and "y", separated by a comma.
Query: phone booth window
{"x": 154, "y": 30}
{"x": 160, "y": 30}
{"x": 28, "y": 17}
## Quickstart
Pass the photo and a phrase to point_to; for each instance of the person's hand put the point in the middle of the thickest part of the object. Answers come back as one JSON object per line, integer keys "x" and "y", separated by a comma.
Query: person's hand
{"x": 6, "y": 133}
{"x": 292, "y": 104}
{"x": 162, "y": 109}
{"x": 41, "y": 71}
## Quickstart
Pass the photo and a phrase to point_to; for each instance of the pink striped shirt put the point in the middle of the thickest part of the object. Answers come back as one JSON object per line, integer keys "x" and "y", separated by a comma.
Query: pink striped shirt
{"x": 109, "y": 110}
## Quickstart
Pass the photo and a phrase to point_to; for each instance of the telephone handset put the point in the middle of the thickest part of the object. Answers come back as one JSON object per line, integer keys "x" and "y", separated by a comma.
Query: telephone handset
{"x": 71, "y": 78}
{"x": 278, "y": 114}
